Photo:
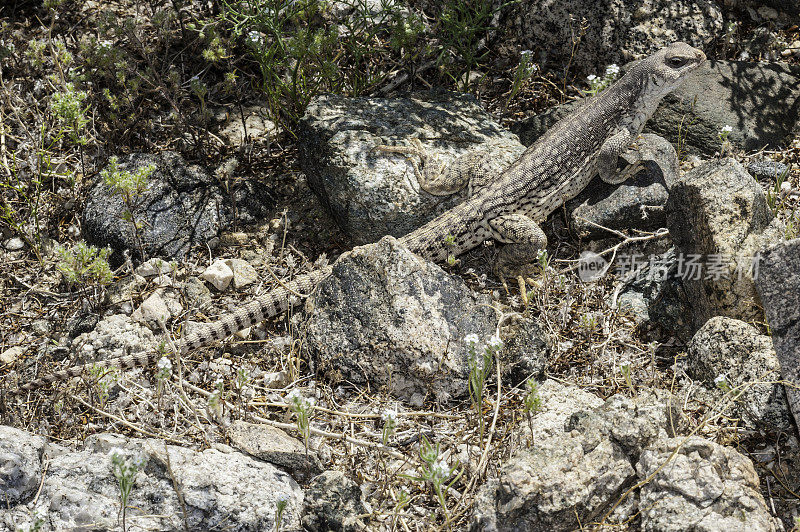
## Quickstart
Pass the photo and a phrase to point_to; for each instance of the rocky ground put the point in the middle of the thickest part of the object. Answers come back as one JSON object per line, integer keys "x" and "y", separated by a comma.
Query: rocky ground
{"x": 219, "y": 151}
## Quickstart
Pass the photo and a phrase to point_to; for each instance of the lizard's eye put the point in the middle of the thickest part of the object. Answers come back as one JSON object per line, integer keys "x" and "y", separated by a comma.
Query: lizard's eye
{"x": 676, "y": 61}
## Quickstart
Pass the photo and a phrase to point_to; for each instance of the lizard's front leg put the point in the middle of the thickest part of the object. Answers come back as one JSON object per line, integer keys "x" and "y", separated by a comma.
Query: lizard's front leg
{"x": 524, "y": 240}
{"x": 472, "y": 170}
{"x": 610, "y": 152}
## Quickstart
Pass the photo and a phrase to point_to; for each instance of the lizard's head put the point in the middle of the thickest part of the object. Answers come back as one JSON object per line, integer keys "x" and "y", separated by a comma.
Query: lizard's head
{"x": 669, "y": 66}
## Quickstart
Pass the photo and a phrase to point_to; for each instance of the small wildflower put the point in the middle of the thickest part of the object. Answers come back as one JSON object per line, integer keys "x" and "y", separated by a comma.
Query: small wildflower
{"x": 726, "y": 130}
{"x": 280, "y": 505}
{"x": 255, "y": 37}
{"x": 164, "y": 364}
{"x": 721, "y": 382}
{"x": 526, "y": 54}
{"x": 471, "y": 339}
{"x": 440, "y": 469}
{"x": 612, "y": 70}
{"x": 786, "y": 187}
{"x": 389, "y": 416}
{"x": 495, "y": 342}
{"x": 590, "y": 78}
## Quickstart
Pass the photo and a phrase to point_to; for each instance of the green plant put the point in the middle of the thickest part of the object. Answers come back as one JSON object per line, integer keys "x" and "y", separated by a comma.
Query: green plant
{"x": 588, "y": 324}
{"x": 776, "y": 198}
{"x": 463, "y": 29}
{"x": 625, "y": 369}
{"x": 599, "y": 84}
{"x": 125, "y": 467}
{"x": 86, "y": 267}
{"x": 215, "y": 402}
{"x": 479, "y": 360}
{"x": 721, "y": 382}
{"x": 280, "y": 507}
{"x": 36, "y": 524}
{"x": 726, "y": 145}
{"x": 532, "y": 402}
{"x": 435, "y": 471}
{"x": 105, "y": 379}
{"x": 303, "y": 408}
{"x": 163, "y": 372}
{"x": 450, "y": 243}
{"x": 525, "y": 69}
{"x": 389, "y": 418}
{"x": 70, "y": 111}
{"x": 129, "y": 186}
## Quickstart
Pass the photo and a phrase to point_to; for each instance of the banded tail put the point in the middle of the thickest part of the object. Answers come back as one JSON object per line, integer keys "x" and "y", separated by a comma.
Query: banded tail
{"x": 270, "y": 304}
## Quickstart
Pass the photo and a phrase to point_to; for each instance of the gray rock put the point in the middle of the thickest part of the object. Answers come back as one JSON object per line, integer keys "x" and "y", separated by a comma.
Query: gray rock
{"x": 20, "y": 465}
{"x": 390, "y": 318}
{"x": 182, "y": 206}
{"x": 704, "y": 487}
{"x": 575, "y": 473}
{"x": 724, "y": 346}
{"x": 333, "y": 502}
{"x": 717, "y": 214}
{"x": 14, "y": 244}
{"x": 533, "y": 127}
{"x": 779, "y": 287}
{"x": 635, "y": 204}
{"x": 372, "y": 194}
{"x": 249, "y": 123}
{"x": 113, "y": 337}
{"x": 616, "y": 30}
{"x": 525, "y": 353}
{"x": 197, "y": 293}
{"x": 272, "y": 445}
{"x": 653, "y": 295}
{"x": 220, "y": 489}
{"x": 760, "y": 101}
{"x": 766, "y": 169}
{"x": 575, "y": 470}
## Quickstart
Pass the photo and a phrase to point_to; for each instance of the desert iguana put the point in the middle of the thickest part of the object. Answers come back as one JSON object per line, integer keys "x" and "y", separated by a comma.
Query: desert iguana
{"x": 507, "y": 207}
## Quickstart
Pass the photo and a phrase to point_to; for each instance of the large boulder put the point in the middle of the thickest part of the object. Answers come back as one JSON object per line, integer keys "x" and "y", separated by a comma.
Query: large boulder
{"x": 609, "y": 463}
{"x": 718, "y": 217}
{"x": 587, "y": 35}
{"x": 759, "y": 101}
{"x": 372, "y": 194}
{"x": 219, "y": 488}
{"x": 387, "y": 317}
{"x": 635, "y": 204}
{"x": 698, "y": 485}
{"x": 778, "y": 285}
{"x": 733, "y": 351}
{"x": 182, "y": 206}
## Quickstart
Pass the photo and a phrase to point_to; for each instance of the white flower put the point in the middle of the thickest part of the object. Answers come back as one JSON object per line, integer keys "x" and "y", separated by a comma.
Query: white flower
{"x": 116, "y": 451}
{"x": 440, "y": 469}
{"x": 495, "y": 342}
{"x": 471, "y": 339}
{"x": 721, "y": 380}
{"x": 283, "y": 498}
{"x": 526, "y": 54}
{"x": 612, "y": 70}
{"x": 725, "y": 130}
{"x": 255, "y": 37}
{"x": 164, "y": 364}
{"x": 389, "y": 416}
{"x": 591, "y": 78}
{"x": 786, "y": 187}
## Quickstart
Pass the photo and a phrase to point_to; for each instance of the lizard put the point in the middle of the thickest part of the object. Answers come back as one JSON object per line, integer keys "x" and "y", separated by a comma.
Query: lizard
{"x": 507, "y": 208}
